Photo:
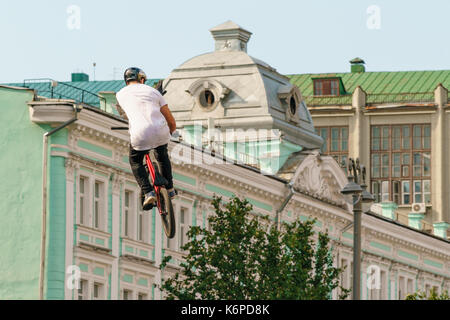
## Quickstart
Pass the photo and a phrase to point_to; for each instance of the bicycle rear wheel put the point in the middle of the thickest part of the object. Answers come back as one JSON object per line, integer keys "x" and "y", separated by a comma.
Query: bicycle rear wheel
{"x": 167, "y": 214}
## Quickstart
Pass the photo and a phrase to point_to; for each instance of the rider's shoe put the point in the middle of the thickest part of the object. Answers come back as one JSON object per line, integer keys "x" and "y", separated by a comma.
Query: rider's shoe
{"x": 149, "y": 201}
{"x": 172, "y": 193}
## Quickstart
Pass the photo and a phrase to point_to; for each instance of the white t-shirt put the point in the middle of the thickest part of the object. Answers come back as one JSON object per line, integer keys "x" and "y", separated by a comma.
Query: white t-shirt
{"x": 147, "y": 126}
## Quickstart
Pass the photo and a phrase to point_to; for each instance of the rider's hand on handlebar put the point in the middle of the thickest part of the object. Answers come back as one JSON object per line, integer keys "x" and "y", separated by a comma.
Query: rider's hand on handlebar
{"x": 159, "y": 87}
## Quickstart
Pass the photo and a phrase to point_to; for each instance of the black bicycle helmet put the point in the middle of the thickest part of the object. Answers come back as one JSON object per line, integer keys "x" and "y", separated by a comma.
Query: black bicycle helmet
{"x": 135, "y": 74}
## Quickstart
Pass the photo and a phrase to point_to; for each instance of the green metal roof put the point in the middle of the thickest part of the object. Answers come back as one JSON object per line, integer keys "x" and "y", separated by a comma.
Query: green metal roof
{"x": 381, "y": 87}
{"x": 83, "y": 91}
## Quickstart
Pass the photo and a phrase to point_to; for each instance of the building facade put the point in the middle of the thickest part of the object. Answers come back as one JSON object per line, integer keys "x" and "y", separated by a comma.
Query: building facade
{"x": 397, "y": 124}
{"x": 264, "y": 141}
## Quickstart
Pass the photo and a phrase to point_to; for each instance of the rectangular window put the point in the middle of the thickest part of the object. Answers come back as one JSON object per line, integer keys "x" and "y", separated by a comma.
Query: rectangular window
{"x": 375, "y": 165}
{"x": 376, "y": 191}
{"x": 183, "y": 226}
{"x": 334, "y": 88}
{"x": 405, "y": 165}
{"x": 385, "y": 165}
{"x": 127, "y": 214}
{"x": 397, "y": 138}
{"x": 82, "y": 195}
{"x": 98, "y": 205}
{"x": 406, "y": 192}
{"x": 324, "y": 135}
{"x": 396, "y": 165}
{"x": 98, "y": 291}
{"x": 385, "y": 138}
{"x": 409, "y": 287}
{"x": 335, "y": 139}
{"x": 335, "y": 143}
{"x": 396, "y": 191}
{"x": 406, "y": 143}
{"x": 417, "y": 137}
{"x": 82, "y": 290}
{"x": 417, "y": 165}
{"x": 401, "y": 288}
{"x": 418, "y": 191}
{"x": 401, "y": 155}
{"x": 318, "y": 88}
{"x": 427, "y": 137}
{"x": 326, "y": 87}
{"x": 427, "y": 164}
{"x": 142, "y": 296}
{"x": 140, "y": 226}
{"x": 427, "y": 191}
{"x": 385, "y": 191}
{"x": 127, "y": 295}
{"x": 376, "y": 138}
{"x": 344, "y": 139}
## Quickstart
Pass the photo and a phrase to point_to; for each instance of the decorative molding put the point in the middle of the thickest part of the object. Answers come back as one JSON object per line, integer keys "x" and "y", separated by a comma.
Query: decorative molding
{"x": 316, "y": 177}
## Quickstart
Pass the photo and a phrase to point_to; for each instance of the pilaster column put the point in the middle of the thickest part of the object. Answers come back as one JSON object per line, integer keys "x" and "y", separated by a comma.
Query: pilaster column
{"x": 117, "y": 183}
{"x": 439, "y": 158}
{"x": 359, "y": 138}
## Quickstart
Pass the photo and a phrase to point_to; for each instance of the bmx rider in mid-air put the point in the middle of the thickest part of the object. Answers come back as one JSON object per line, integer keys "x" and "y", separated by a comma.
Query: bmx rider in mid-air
{"x": 151, "y": 125}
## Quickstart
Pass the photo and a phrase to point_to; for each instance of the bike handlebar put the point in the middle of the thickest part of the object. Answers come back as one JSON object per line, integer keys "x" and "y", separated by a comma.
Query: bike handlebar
{"x": 176, "y": 136}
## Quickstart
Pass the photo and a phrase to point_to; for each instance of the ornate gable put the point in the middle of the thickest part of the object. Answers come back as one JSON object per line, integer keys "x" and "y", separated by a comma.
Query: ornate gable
{"x": 322, "y": 178}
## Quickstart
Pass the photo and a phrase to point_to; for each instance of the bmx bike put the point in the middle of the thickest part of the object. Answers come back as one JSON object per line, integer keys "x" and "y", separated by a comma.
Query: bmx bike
{"x": 163, "y": 201}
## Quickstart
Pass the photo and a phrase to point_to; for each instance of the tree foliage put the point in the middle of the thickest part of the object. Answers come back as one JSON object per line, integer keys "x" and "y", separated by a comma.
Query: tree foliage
{"x": 245, "y": 257}
{"x": 432, "y": 295}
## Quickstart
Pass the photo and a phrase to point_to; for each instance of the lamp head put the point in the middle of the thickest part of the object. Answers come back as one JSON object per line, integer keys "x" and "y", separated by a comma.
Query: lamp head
{"x": 351, "y": 187}
{"x": 366, "y": 196}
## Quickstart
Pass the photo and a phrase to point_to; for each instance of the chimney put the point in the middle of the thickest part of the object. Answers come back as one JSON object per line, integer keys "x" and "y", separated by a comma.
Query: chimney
{"x": 357, "y": 65}
{"x": 230, "y": 37}
{"x": 79, "y": 77}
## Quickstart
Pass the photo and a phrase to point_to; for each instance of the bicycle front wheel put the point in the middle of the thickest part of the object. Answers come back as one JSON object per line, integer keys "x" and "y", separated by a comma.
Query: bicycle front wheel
{"x": 167, "y": 214}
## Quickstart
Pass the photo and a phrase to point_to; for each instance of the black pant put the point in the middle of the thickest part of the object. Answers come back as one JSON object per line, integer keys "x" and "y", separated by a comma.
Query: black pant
{"x": 137, "y": 166}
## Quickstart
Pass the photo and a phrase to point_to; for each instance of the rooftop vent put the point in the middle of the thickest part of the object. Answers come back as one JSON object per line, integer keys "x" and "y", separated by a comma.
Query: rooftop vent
{"x": 79, "y": 77}
{"x": 357, "y": 65}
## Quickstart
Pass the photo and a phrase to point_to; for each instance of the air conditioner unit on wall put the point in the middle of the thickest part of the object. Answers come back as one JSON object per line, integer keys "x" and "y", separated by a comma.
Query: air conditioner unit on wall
{"x": 418, "y": 208}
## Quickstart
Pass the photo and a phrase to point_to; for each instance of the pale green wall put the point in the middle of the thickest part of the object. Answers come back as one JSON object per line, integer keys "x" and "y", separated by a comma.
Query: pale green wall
{"x": 20, "y": 189}
{"x": 56, "y": 228}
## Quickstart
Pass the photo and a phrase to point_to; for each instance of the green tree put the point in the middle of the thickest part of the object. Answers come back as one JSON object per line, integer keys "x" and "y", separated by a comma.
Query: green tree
{"x": 433, "y": 295}
{"x": 245, "y": 257}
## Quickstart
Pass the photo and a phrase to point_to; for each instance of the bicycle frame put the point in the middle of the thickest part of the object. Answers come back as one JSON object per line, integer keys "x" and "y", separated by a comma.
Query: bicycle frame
{"x": 153, "y": 176}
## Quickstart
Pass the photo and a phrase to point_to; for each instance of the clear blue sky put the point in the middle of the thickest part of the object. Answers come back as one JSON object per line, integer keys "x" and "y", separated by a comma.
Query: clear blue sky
{"x": 294, "y": 36}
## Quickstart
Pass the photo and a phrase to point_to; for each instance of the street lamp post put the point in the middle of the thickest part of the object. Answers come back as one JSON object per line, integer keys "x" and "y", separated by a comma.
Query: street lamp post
{"x": 356, "y": 187}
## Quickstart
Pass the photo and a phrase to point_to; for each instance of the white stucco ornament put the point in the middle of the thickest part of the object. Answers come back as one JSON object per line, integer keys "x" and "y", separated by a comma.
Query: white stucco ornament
{"x": 321, "y": 178}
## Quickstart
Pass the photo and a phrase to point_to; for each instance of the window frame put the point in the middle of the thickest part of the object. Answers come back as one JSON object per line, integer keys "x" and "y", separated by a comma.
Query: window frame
{"x": 324, "y": 87}
{"x": 83, "y": 218}
{"x": 383, "y": 139}
{"x": 341, "y": 154}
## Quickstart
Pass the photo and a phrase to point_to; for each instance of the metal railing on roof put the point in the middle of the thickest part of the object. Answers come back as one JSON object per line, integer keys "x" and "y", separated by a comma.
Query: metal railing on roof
{"x": 343, "y": 100}
{"x": 48, "y": 87}
{"x": 372, "y": 98}
{"x": 413, "y": 97}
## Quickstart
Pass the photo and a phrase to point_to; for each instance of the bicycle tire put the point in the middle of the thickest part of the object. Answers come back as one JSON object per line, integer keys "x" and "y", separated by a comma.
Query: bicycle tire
{"x": 167, "y": 216}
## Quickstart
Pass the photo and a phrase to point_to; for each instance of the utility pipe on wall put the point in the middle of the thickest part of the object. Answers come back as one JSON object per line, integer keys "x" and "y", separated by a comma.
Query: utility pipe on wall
{"x": 44, "y": 197}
